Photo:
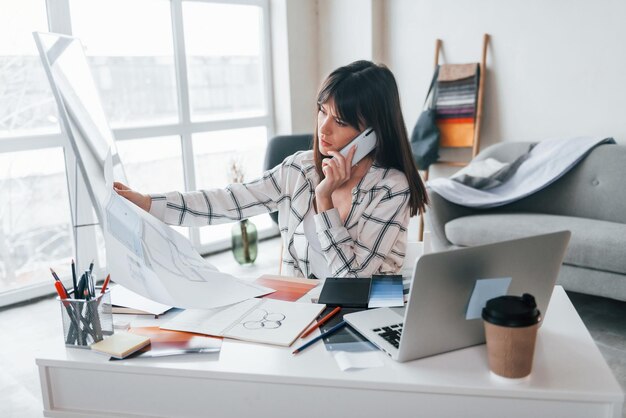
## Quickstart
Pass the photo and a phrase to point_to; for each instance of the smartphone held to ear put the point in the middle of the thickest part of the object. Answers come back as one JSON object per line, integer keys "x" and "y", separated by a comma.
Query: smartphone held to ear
{"x": 365, "y": 141}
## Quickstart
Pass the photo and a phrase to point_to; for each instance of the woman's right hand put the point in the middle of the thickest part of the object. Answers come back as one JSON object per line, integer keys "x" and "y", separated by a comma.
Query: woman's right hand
{"x": 141, "y": 200}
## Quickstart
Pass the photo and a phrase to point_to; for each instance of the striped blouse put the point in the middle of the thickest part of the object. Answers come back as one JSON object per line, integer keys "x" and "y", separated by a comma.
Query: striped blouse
{"x": 371, "y": 240}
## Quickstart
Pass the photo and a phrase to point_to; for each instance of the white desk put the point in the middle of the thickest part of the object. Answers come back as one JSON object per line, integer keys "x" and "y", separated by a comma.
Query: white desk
{"x": 569, "y": 379}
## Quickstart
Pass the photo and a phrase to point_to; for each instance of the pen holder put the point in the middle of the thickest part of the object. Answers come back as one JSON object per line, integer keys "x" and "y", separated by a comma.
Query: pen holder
{"x": 86, "y": 321}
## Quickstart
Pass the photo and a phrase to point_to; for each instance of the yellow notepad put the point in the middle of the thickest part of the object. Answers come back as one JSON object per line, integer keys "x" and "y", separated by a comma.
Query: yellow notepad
{"x": 121, "y": 344}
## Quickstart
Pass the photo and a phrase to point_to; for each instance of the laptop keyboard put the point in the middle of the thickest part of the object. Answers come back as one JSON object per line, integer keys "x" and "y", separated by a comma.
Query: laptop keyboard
{"x": 391, "y": 334}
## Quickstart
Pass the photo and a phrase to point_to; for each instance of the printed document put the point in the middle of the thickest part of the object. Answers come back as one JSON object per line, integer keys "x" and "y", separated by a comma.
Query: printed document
{"x": 151, "y": 259}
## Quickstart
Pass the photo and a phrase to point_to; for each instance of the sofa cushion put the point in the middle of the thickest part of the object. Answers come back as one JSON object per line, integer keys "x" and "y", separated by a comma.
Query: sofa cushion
{"x": 599, "y": 245}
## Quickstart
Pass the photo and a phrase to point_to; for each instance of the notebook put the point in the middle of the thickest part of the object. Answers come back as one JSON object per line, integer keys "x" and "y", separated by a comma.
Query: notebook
{"x": 120, "y": 345}
{"x": 267, "y": 321}
{"x": 377, "y": 291}
{"x": 346, "y": 292}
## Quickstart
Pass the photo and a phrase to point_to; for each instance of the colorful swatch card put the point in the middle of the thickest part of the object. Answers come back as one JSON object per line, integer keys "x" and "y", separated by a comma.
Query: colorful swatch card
{"x": 386, "y": 291}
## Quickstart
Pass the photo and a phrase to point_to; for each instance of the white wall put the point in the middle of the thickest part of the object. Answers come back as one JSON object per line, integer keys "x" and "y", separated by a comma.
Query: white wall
{"x": 345, "y": 33}
{"x": 295, "y": 64}
{"x": 555, "y": 68}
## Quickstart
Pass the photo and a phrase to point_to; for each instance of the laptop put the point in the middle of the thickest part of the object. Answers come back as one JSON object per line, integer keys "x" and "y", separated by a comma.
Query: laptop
{"x": 434, "y": 319}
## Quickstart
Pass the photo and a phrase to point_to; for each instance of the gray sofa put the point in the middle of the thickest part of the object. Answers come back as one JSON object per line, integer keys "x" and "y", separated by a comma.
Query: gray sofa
{"x": 589, "y": 200}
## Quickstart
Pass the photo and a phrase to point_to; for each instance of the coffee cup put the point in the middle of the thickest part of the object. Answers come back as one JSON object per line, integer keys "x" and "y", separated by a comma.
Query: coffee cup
{"x": 511, "y": 324}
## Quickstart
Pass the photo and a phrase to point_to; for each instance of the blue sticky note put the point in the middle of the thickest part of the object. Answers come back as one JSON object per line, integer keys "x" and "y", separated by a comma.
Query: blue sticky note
{"x": 485, "y": 289}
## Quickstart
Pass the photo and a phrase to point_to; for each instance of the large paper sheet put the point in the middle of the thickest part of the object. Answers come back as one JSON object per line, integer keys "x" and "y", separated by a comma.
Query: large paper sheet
{"x": 152, "y": 259}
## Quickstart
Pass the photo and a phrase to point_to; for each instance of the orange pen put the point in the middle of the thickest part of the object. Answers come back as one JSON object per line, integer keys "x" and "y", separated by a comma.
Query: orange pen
{"x": 321, "y": 322}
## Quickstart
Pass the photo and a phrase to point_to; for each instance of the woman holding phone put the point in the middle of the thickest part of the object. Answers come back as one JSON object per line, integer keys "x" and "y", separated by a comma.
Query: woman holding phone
{"x": 337, "y": 217}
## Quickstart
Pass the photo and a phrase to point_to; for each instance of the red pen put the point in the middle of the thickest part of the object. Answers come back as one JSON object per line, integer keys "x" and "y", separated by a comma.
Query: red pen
{"x": 60, "y": 290}
{"x": 105, "y": 284}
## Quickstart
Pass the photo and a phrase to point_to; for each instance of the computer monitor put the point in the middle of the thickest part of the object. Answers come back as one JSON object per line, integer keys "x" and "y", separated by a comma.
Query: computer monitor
{"x": 80, "y": 110}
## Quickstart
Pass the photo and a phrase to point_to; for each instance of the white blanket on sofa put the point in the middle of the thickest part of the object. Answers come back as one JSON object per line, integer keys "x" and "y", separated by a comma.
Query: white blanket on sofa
{"x": 548, "y": 161}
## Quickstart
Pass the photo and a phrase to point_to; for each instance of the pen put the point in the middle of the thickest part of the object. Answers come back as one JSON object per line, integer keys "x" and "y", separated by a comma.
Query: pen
{"x": 90, "y": 288}
{"x": 319, "y": 337}
{"x": 57, "y": 280}
{"x": 74, "y": 278}
{"x": 321, "y": 322}
{"x": 106, "y": 283}
{"x": 60, "y": 290}
{"x": 71, "y": 335}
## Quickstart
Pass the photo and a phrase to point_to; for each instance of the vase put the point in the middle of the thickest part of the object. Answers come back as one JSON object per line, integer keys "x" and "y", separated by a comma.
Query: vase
{"x": 245, "y": 242}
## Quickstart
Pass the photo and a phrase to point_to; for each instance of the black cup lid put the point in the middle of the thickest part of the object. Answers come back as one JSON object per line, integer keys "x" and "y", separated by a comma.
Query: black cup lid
{"x": 512, "y": 311}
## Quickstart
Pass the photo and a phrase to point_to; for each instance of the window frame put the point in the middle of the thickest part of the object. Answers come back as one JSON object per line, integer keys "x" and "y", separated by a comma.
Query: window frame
{"x": 59, "y": 21}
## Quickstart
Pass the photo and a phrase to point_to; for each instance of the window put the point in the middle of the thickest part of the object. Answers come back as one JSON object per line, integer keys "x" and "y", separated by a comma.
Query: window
{"x": 154, "y": 165}
{"x": 133, "y": 65}
{"x": 215, "y": 153}
{"x": 185, "y": 85}
{"x": 26, "y": 102}
{"x": 224, "y": 59}
{"x": 35, "y": 224}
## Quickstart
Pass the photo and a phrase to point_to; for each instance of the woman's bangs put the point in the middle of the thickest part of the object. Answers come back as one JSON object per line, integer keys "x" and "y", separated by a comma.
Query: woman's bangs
{"x": 345, "y": 96}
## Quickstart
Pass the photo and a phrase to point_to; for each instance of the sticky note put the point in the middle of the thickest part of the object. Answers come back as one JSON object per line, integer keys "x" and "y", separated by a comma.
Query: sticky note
{"x": 485, "y": 289}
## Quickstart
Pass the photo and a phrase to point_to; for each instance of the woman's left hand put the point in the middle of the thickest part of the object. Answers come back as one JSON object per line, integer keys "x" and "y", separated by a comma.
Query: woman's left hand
{"x": 337, "y": 171}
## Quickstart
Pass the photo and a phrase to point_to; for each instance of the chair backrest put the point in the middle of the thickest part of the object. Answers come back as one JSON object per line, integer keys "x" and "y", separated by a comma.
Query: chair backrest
{"x": 282, "y": 146}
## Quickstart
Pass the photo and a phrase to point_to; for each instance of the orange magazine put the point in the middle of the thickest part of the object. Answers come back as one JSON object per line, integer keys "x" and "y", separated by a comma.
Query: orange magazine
{"x": 287, "y": 288}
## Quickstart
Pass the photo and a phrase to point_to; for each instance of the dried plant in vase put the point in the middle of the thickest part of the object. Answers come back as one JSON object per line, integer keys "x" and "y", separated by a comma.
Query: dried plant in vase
{"x": 244, "y": 233}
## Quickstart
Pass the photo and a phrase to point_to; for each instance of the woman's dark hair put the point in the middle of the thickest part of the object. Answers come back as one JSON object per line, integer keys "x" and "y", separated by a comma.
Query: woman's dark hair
{"x": 366, "y": 95}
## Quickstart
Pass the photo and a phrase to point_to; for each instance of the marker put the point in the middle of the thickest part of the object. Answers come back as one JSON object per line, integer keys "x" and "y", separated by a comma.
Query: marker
{"x": 81, "y": 288}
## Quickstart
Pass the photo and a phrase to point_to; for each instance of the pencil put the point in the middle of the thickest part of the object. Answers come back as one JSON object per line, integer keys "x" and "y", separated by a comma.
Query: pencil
{"x": 320, "y": 322}
{"x": 74, "y": 279}
{"x": 106, "y": 283}
{"x": 319, "y": 337}
{"x": 56, "y": 278}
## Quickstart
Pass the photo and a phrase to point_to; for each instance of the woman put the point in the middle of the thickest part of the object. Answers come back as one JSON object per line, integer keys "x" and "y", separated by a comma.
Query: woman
{"x": 335, "y": 219}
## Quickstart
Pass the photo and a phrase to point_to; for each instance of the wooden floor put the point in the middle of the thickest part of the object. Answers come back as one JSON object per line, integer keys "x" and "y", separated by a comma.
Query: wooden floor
{"x": 31, "y": 327}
